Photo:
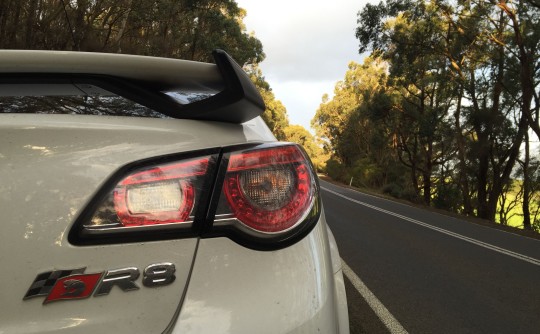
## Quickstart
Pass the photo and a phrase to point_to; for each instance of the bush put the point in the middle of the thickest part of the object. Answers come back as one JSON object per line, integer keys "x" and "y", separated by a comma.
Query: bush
{"x": 447, "y": 197}
{"x": 392, "y": 189}
{"x": 367, "y": 174}
{"x": 400, "y": 191}
{"x": 337, "y": 171}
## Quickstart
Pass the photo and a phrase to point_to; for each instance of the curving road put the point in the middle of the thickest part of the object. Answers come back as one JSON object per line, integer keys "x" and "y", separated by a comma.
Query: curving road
{"x": 412, "y": 270}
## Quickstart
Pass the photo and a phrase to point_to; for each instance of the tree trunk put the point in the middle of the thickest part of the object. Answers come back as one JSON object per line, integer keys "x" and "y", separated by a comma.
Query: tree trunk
{"x": 123, "y": 26}
{"x": 483, "y": 183}
{"x": 427, "y": 187}
{"x": 526, "y": 186}
{"x": 463, "y": 180}
{"x": 30, "y": 21}
{"x": 427, "y": 174}
{"x": 13, "y": 44}
{"x": 4, "y": 14}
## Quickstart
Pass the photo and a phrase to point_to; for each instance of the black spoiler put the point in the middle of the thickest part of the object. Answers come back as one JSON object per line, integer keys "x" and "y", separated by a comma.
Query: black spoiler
{"x": 229, "y": 94}
{"x": 238, "y": 102}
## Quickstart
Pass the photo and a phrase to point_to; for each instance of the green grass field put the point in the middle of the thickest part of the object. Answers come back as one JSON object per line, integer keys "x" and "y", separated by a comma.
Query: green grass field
{"x": 514, "y": 207}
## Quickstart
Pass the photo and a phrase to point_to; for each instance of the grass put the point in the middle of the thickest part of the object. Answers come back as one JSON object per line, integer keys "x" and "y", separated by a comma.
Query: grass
{"x": 514, "y": 206}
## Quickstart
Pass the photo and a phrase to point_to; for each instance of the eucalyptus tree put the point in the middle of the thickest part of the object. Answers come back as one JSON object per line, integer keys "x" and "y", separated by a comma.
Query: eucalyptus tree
{"x": 300, "y": 135}
{"x": 495, "y": 112}
{"x": 187, "y": 29}
{"x": 522, "y": 49}
{"x": 459, "y": 65}
{"x": 354, "y": 126}
{"x": 410, "y": 35}
{"x": 333, "y": 119}
{"x": 275, "y": 114}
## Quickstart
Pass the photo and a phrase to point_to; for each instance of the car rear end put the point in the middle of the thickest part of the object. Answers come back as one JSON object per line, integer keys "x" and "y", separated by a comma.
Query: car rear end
{"x": 138, "y": 223}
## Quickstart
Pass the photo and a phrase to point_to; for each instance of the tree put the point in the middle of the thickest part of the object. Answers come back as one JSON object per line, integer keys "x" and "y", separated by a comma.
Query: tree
{"x": 455, "y": 66}
{"x": 298, "y": 134}
{"x": 275, "y": 114}
{"x": 523, "y": 19}
{"x": 186, "y": 29}
{"x": 410, "y": 41}
{"x": 496, "y": 122}
{"x": 358, "y": 128}
{"x": 332, "y": 121}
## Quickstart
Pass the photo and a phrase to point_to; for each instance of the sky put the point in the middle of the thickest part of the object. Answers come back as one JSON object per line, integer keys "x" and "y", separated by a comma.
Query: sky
{"x": 308, "y": 45}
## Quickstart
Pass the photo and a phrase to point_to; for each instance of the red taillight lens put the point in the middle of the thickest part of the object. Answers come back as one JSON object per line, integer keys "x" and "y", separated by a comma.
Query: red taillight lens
{"x": 154, "y": 203}
{"x": 159, "y": 195}
{"x": 269, "y": 190}
{"x": 163, "y": 194}
{"x": 268, "y": 199}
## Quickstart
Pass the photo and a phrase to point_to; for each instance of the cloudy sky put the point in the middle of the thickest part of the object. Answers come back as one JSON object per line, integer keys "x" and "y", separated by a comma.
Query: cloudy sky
{"x": 308, "y": 44}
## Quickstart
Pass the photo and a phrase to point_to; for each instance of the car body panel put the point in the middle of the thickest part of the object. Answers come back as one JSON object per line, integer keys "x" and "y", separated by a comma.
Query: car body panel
{"x": 53, "y": 166}
{"x": 50, "y": 168}
{"x": 340, "y": 296}
{"x": 147, "y": 310}
{"x": 284, "y": 291}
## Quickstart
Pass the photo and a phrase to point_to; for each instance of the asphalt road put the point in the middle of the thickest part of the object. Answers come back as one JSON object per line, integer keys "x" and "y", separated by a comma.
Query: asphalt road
{"x": 432, "y": 273}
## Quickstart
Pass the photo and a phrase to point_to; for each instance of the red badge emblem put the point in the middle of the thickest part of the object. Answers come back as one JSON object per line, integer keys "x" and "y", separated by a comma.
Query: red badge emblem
{"x": 73, "y": 287}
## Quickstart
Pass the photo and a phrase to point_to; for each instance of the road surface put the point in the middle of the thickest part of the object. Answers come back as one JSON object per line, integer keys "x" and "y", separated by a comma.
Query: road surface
{"x": 416, "y": 271}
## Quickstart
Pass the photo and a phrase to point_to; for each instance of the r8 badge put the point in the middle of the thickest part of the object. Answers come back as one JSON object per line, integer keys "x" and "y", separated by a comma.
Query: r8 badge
{"x": 75, "y": 284}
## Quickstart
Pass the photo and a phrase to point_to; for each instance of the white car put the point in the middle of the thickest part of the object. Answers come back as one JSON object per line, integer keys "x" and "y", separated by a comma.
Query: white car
{"x": 146, "y": 195}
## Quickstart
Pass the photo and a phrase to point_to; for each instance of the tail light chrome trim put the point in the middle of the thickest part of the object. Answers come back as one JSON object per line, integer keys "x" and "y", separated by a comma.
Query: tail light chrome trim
{"x": 262, "y": 196}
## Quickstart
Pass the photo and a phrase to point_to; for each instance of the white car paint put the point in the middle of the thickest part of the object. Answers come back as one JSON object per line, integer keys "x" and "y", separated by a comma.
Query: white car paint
{"x": 51, "y": 166}
{"x": 285, "y": 291}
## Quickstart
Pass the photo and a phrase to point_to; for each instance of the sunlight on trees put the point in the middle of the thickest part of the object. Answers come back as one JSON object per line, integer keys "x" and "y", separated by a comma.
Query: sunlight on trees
{"x": 454, "y": 106}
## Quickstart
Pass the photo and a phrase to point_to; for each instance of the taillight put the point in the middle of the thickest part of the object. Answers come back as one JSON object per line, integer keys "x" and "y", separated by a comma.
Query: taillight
{"x": 269, "y": 190}
{"x": 163, "y": 194}
{"x": 265, "y": 197}
{"x": 152, "y": 198}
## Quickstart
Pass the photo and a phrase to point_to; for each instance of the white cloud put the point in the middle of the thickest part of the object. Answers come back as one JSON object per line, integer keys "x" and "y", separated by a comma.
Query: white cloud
{"x": 308, "y": 45}
{"x": 301, "y": 98}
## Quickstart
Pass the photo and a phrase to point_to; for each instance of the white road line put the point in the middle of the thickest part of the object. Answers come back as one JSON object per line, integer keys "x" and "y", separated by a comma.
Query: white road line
{"x": 438, "y": 229}
{"x": 380, "y": 310}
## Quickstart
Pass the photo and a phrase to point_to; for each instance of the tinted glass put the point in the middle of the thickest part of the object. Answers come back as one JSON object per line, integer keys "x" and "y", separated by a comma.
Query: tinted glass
{"x": 69, "y": 99}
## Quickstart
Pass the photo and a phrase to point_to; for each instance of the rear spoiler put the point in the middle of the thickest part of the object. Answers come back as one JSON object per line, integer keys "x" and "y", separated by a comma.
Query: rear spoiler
{"x": 232, "y": 97}
{"x": 238, "y": 102}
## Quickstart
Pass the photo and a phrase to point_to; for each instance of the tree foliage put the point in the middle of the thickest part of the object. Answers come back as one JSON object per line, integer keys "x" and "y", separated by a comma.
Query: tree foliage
{"x": 298, "y": 134}
{"x": 186, "y": 29}
{"x": 275, "y": 114}
{"x": 356, "y": 126}
{"x": 460, "y": 94}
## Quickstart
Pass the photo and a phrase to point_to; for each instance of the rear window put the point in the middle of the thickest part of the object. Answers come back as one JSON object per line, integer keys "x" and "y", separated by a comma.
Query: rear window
{"x": 69, "y": 99}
